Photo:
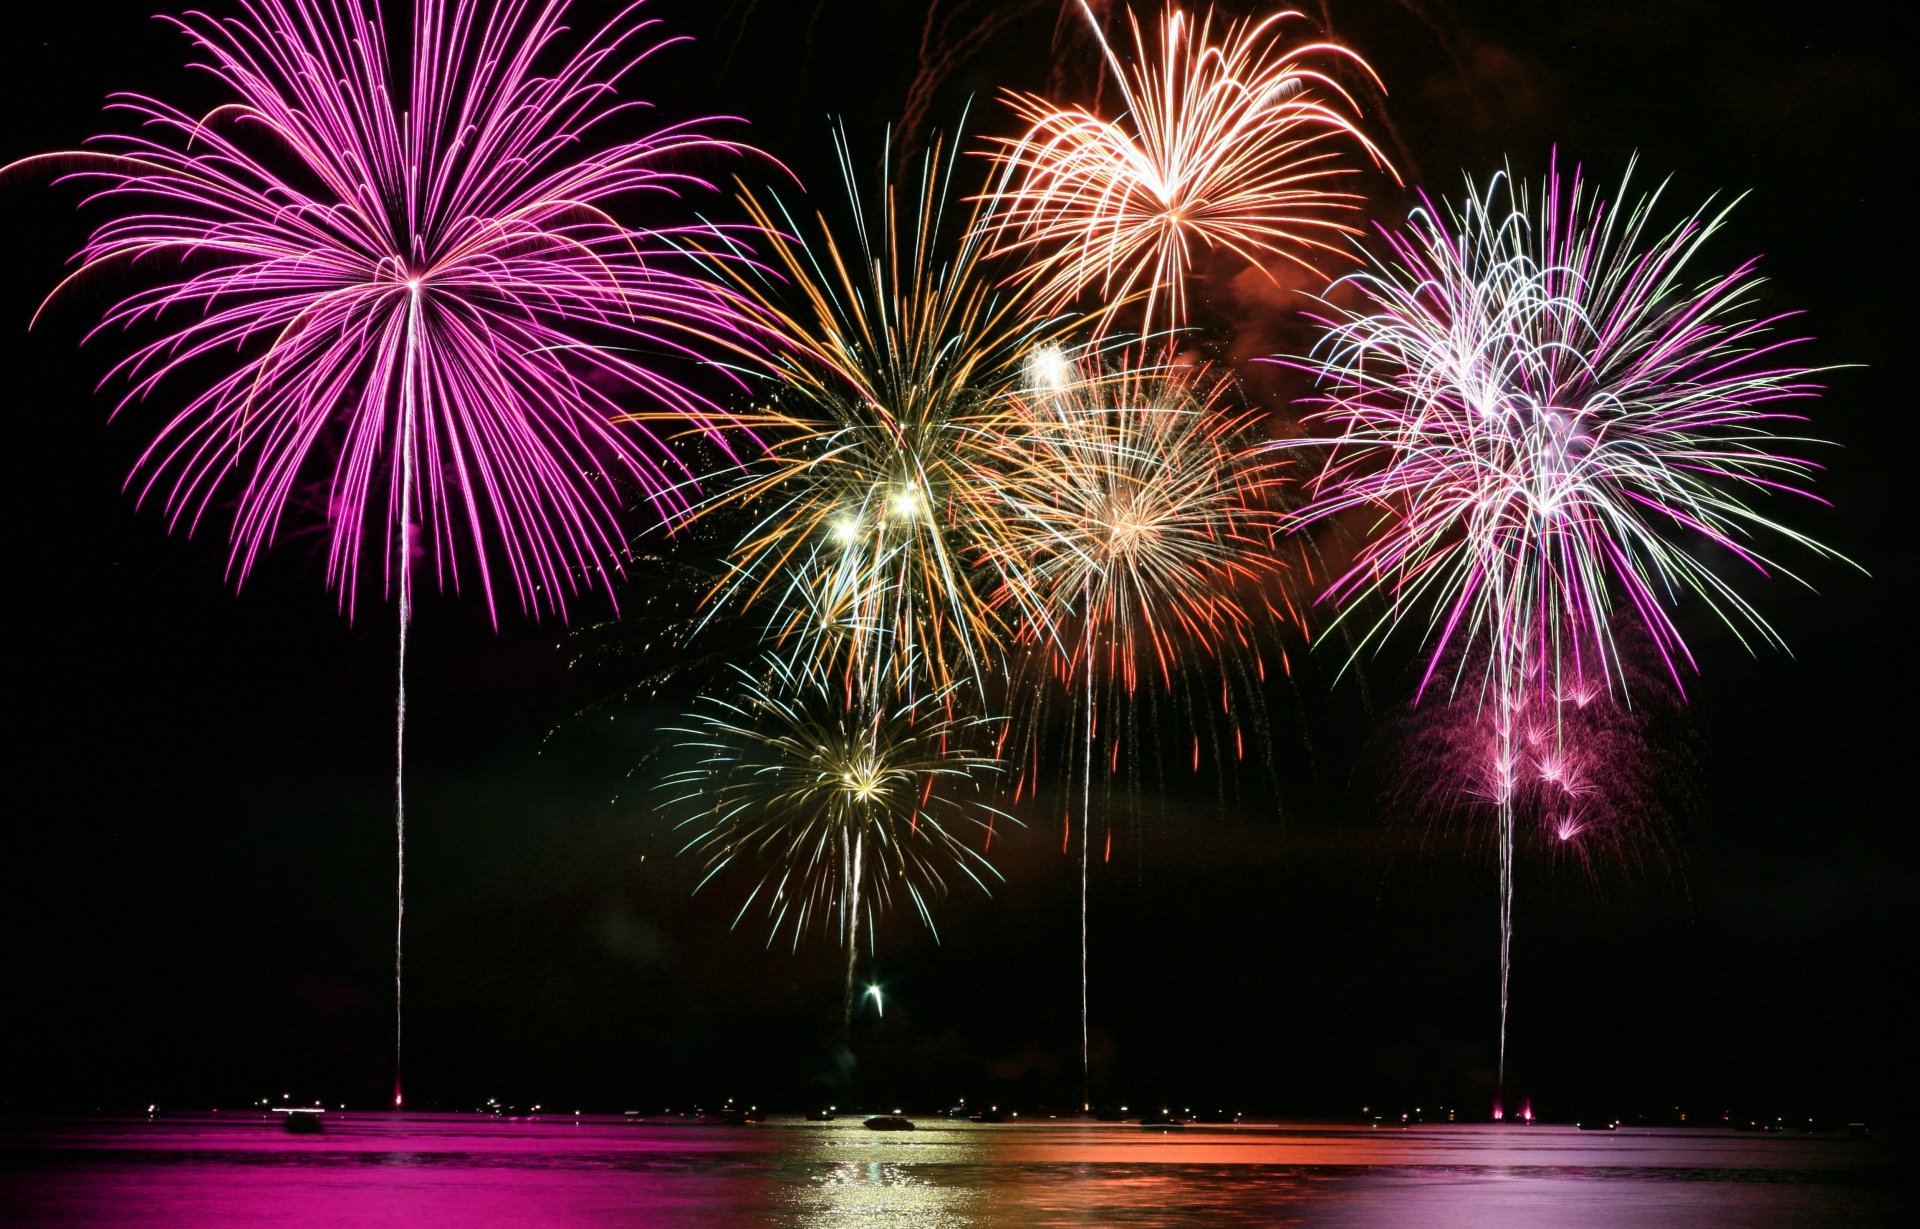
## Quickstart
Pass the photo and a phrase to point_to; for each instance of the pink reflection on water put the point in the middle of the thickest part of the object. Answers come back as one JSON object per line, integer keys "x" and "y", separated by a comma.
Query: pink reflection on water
{"x": 457, "y": 1172}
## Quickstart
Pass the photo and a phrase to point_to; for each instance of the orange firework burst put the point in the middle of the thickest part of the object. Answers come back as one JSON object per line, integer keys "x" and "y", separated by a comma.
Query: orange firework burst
{"x": 1233, "y": 142}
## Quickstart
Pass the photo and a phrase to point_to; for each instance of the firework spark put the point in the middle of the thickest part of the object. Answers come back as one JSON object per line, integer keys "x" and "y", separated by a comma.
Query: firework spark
{"x": 1139, "y": 516}
{"x": 387, "y": 280}
{"x": 1547, "y": 415}
{"x": 840, "y": 799}
{"x": 411, "y": 266}
{"x": 1593, "y": 777}
{"x": 895, "y": 359}
{"x": 1138, "y": 523}
{"x": 1233, "y": 143}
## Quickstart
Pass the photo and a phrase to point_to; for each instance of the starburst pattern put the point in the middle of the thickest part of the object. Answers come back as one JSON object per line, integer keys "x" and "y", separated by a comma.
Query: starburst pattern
{"x": 896, "y": 352}
{"x": 1237, "y": 143}
{"x": 1140, "y": 518}
{"x": 401, "y": 297}
{"x": 397, "y": 281}
{"x": 834, "y": 800}
{"x": 1549, "y": 415}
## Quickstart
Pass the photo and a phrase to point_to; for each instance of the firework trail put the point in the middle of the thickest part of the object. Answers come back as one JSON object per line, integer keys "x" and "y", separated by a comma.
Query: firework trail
{"x": 1547, "y": 413}
{"x": 390, "y": 277}
{"x": 839, "y": 798}
{"x": 895, "y": 354}
{"x": 1582, "y": 774}
{"x": 1137, "y": 536}
{"x": 1233, "y": 143}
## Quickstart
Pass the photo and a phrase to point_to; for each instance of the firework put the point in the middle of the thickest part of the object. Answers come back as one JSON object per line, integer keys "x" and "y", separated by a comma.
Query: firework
{"x": 1235, "y": 143}
{"x": 1593, "y": 776}
{"x": 411, "y": 290}
{"x": 1547, "y": 413}
{"x": 1137, "y": 532}
{"x": 840, "y": 800}
{"x": 895, "y": 356}
{"x": 397, "y": 282}
{"x": 1138, "y": 519}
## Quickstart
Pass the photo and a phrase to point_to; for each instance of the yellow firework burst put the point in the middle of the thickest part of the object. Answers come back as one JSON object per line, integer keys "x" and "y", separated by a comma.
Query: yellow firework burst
{"x": 897, "y": 352}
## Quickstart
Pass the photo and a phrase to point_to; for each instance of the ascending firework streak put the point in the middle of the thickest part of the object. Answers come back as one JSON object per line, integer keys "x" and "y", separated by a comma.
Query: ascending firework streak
{"x": 394, "y": 277}
{"x": 895, "y": 352}
{"x": 1542, "y": 406}
{"x": 1234, "y": 143}
{"x": 1137, "y": 532}
{"x": 840, "y": 797}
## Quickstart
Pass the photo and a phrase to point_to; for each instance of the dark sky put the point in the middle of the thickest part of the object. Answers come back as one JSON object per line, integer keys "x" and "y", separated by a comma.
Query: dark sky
{"x": 197, "y": 885}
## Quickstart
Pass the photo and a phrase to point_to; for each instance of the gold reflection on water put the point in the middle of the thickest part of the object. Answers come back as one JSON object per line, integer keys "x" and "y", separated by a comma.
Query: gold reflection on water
{"x": 881, "y": 1194}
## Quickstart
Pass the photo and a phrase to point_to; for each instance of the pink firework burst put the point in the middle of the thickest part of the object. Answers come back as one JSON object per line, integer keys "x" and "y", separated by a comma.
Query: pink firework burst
{"x": 1546, "y": 407}
{"x": 399, "y": 281}
{"x": 1556, "y": 421}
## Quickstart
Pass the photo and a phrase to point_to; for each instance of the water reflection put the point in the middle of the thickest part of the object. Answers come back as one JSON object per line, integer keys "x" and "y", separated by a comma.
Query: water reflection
{"x": 448, "y": 1172}
{"x": 858, "y": 1194}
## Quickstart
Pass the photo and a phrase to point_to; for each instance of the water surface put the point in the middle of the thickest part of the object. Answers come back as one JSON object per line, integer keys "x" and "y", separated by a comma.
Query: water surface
{"x": 457, "y": 1172}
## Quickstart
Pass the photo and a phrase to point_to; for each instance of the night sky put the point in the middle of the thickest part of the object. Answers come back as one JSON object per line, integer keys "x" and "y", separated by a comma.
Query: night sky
{"x": 197, "y": 895}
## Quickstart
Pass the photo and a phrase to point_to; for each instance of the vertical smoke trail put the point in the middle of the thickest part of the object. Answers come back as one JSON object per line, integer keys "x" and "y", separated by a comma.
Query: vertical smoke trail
{"x": 853, "y": 931}
{"x": 400, "y": 706}
{"x": 1086, "y": 830}
{"x": 1506, "y": 934}
{"x": 1507, "y": 710}
{"x": 1506, "y": 908}
{"x": 399, "y": 795}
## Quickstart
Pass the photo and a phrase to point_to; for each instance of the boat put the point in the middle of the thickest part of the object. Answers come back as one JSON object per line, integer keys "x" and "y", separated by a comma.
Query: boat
{"x": 1162, "y": 1121}
{"x": 303, "y": 1120}
{"x": 888, "y": 1122}
{"x": 822, "y": 1115}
